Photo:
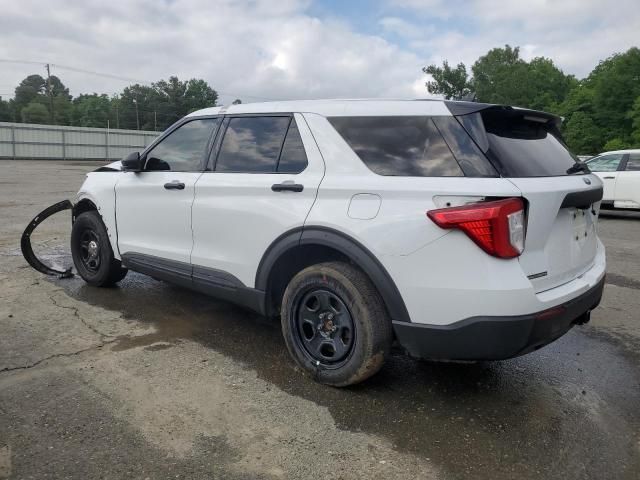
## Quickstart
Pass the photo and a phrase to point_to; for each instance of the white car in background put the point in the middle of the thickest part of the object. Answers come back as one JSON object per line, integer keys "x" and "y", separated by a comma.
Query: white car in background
{"x": 620, "y": 174}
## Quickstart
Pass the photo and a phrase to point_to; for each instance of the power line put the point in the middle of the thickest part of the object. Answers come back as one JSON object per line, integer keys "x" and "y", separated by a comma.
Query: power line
{"x": 118, "y": 77}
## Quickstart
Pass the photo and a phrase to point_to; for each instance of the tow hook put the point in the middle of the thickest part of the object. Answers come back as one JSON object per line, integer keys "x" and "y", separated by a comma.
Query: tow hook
{"x": 25, "y": 241}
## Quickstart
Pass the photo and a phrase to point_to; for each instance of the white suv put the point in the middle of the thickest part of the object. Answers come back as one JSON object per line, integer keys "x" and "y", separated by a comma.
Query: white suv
{"x": 464, "y": 231}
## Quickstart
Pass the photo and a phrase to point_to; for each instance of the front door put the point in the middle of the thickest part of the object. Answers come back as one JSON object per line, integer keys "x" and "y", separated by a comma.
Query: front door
{"x": 153, "y": 207}
{"x": 628, "y": 183}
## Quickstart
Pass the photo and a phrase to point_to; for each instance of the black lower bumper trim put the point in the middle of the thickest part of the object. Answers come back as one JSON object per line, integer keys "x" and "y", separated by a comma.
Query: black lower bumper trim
{"x": 496, "y": 338}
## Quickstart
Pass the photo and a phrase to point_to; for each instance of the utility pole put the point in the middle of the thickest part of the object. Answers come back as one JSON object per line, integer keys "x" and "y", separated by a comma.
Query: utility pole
{"x": 135, "y": 102}
{"x": 155, "y": 121}
{"x": 50, "y": 93}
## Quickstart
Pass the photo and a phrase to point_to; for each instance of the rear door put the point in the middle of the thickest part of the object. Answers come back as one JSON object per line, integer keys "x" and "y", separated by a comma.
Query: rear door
{"x": 527, "y": 149}
{"x": 261, "y": 182}
{"x": 627, "y": 194}
{"x": 606, "y": 167}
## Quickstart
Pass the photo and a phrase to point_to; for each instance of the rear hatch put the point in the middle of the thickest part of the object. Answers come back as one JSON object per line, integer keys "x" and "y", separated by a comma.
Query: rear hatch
{"x": 525, "y": 147}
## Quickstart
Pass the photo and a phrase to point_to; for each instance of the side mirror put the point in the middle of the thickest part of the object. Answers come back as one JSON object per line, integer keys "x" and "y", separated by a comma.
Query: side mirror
{"x": 132, "y": 162}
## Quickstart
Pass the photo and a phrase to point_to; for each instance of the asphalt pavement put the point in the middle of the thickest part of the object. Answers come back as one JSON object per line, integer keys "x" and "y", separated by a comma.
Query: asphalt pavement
{"x": 149, "y": 380}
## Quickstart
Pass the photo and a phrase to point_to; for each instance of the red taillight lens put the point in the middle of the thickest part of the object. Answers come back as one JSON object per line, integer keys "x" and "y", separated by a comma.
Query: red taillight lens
{"x": 496, "y": 226}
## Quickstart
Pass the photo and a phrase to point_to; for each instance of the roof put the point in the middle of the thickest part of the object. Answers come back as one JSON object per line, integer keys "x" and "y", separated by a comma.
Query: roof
{"x": 630, "y": 150}
{"x": 372, "y": 106}
{"x": 336, "y": 107}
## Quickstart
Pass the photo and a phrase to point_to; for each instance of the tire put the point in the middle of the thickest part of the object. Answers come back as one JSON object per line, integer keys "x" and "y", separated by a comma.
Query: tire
{"x": 335, "y": 324}
{"x": 94, "y": 262}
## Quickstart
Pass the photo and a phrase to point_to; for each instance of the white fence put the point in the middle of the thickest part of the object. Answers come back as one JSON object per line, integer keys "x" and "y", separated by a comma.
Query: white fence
{"x": 52, "y": 142}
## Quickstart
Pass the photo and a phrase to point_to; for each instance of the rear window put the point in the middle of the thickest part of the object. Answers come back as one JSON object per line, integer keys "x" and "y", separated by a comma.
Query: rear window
{"x": 520, "y": 144}
{"x": 399, "y": 146}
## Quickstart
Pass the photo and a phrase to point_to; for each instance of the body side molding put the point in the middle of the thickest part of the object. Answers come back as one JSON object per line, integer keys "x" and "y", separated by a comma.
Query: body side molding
{"x": 210, "y": 281}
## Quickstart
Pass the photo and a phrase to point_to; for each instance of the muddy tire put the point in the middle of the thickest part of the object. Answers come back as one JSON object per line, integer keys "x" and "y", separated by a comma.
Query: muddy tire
{"x": 92, "y": 253}
{"x": 335, "y": 325}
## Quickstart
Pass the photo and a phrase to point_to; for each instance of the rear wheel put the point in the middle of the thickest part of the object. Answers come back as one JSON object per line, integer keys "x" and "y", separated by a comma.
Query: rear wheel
{"x": 334, "y": 324}
{"x": 92, "y": 253}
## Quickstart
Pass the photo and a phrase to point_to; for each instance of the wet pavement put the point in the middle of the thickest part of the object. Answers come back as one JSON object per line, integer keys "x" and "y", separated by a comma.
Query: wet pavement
{"x": 149, "y": 380}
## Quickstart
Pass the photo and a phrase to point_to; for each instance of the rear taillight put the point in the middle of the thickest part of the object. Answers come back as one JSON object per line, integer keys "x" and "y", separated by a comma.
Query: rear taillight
{"x": 498, "y": 227}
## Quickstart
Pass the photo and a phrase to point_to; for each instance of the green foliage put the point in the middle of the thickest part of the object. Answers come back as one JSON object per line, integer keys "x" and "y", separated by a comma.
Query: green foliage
{"x": 5, "y": 111}
{"x": 138, "y": 106}
{"x": 35, "y": 112}
{"x": 603, "y": 110}
{"x": 634, "y": 116}
{"x": 452, "y": 83}
{"x": 91, "y": 110}
{"x": 581, "y": 134}
{"x": 615, "y": 144}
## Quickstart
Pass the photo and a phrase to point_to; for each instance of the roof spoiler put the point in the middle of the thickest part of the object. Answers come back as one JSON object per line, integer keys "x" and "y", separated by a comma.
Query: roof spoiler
{"x": 465, "y": 108}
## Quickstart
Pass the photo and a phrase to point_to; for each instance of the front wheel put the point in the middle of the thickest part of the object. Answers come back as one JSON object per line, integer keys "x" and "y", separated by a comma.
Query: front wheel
{"x": 91, "y": 251}
{"x": 335, "y": 325}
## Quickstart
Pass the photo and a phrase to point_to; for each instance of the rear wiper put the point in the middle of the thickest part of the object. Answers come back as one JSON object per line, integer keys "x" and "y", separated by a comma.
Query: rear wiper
{"x": 578, "y": 167}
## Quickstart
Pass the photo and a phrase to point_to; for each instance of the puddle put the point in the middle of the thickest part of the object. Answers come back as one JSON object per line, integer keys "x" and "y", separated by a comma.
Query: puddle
{"x": 490, "y": 417}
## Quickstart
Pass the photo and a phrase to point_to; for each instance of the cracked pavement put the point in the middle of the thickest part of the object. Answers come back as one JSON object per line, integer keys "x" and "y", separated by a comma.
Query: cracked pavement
{"x": 149, "y": 380}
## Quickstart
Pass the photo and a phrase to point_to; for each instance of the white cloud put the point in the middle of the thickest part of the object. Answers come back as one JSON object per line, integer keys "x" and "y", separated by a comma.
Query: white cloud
{"x": 576, "y": 34}
{"x": 263, "y": 49}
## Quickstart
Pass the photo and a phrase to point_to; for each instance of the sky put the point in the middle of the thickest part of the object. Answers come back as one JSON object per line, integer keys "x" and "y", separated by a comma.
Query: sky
{"x": 260, "y": 50}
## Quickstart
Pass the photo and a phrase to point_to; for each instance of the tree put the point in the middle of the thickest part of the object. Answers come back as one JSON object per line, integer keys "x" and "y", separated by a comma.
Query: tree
{"x": 91, "y": 110}
{"x": 449, "y": 82}
{"x": 615, "y": 144}
{"x": 35, "y": 112}
{"x": 28, "y": 90}
{"x": 634, "y": 116}
{"x": 200, "y": 95}
{"x": 582, "y": 134}
{"x": 498, "y": 75}
{"x": 5, "y": 111}
{"x": 616, "y": 85}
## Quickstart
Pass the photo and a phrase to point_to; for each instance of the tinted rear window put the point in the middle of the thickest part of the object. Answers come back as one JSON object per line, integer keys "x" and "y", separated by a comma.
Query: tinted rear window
{"x": 252, "y": 144}
{"x": 398, "y": 146}
{"x": 521, "y": 145}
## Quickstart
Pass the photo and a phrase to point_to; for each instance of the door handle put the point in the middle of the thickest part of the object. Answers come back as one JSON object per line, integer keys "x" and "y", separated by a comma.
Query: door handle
{"x": 287, "y": 187}
{"x": 609, "y": 178}
{"x": 174, "y": 185}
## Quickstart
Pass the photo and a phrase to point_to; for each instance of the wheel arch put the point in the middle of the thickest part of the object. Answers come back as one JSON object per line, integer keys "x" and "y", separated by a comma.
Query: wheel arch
{"x": 302, "y": 247}
{"x": 83, "y": 205}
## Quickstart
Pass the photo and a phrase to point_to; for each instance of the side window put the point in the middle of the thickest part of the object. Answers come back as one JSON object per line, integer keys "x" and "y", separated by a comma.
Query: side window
{"x": 605, "y": 163}
{"x": 252, "y": 144}
{"x": 183, "y": 150}
{"x": 398, "y": 146}
{"x": 633, "y": 162}
{"x": 293, "y": 158}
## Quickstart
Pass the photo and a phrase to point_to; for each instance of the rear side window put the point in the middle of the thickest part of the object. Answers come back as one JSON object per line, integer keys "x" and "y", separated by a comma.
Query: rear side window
{"x": 252, "y": 144}
{"x": 261, "y": 145}
{"x": 293, "y": 158}
{"x": 633, "y": 162}
{"x": 398, "y": 146}
{"x": 520, "y": 144}
{"x": 605, "y": 163}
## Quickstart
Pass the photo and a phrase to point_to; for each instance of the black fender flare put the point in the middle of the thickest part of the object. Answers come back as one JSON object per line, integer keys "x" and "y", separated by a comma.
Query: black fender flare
{"x": 346, "y": 245}
{"x": 25, "y": 240}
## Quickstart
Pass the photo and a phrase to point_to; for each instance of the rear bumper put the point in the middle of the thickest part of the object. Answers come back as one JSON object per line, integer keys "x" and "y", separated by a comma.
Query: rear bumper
{"x": 496, "y": 337}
